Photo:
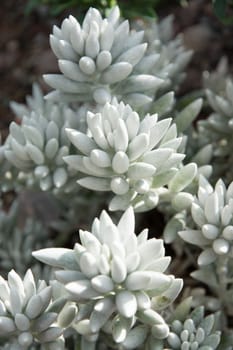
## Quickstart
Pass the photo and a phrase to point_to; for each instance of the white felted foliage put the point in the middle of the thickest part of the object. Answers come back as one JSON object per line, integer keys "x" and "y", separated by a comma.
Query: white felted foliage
{"x": 34, "y": 102}
{"x": 99, "y": 59}
{"x": 218, "y": 126}
{"x": 115, "y": 277}
{"x": 37, "y": 146}
{"x": 165, "y": 56}
{"x": 133, "y": 159}
{"x": 196, "y": 332}
{"x": 212, "y": 213}
{"x": 24, "y": 317}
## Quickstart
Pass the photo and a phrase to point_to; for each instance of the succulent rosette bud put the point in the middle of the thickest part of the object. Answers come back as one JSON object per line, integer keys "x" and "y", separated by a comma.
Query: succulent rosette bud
{"x": 115, "y": 277}
{"x": 196, "y": 332}
{"x": 135, "y": 159}
{"x": 24, "y": 317}
{"x": 37, "y": 145}
{"x": 219, "y": 125}
{"x": 212, "y": 212}
{"x": 98, "y": 59}
{"x": 217, "y": 128}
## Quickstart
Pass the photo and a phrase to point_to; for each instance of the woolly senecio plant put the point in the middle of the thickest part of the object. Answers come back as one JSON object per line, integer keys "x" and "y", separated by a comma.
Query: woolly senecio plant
{"x": 192, "y": 330}
{"x": 98, "y": 60}
{"x": 133, "y": 158}
{"x": 37, "y": 146}
{"x": 212, "y": 214}
{"x": 117, "y": 277}
{"x": 24, "y": 317}
{"x": 111, "y": 290}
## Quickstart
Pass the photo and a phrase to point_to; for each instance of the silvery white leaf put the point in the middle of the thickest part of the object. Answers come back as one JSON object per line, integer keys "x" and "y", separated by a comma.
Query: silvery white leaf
{"x": 118, "y": 270}
{"x": 51, "y": 148}
{"x": 103, "y": 309}
{"x": 67, "y": 315}
{"x": 133, "y": 55}
{"x": 211, "y": 209}
{"x": 135, "y": 337}
{"x": 194, "y": 237}
{"x": 57, "y": 257}
{"x": 120, "y": 328}
{"x": 6, "y": 325}
{"x": 206, "y": 257}
{"x": 116, "y": 72}
{"x": 35, "y": 153}
{"x": 126, "y": 303}
{"x": 72, "y": 71}
{"x": 95, "y": 184}
{"x": 50, "y": 334}
{"x": 188, "y": 114}
{"x": 102, "y": 284}
{"x": 183, "y": 177}
{"x": 44, "y": 321}
{"x": 33, "y": 135}
{"x": 160, "y": 331}
{"x": 150, "y": 317}
{"x": 104, "y": 59}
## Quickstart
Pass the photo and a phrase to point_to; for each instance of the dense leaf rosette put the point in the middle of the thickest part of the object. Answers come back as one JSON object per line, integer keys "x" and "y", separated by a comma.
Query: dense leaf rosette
{"x": 37, "y": 146}
{"x": 217, "y": 128}
{"x": 24, "y": 317}
{"x": 212, "y": 213}
{"x": 99, "y": 59}
{"x": 134, "y": 159}
{"x": 196, "y": 332}
{"x": 165, "y": 56}
{"x": 219, "y": 125}
{"x": 116, "y": 277}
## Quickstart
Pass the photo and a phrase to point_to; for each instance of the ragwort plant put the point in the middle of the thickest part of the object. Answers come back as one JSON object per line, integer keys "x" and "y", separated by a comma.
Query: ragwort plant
{"x": 112, "y": 125}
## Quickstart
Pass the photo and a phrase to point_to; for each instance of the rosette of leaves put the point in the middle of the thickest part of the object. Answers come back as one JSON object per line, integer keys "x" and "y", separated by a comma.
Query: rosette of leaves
{"x": 133, "y": 159}
{"x": 177, "y": 212}
{"x": 139, "y": 337}
{"x": 25, "y": 319}
{"x": 217, "y": 128}
{"x": 219, "y": 124}
{"x": 99, "y": 59}
{"x": 212, "y": 217}
{"x": 166, "y": 57}
{"x": 37, "y": 145}
{"x": 216, "y": 80}
{"x": 192, "y": 330}
{"x": 115, "y": 276}
{"x": 37, "y": 102}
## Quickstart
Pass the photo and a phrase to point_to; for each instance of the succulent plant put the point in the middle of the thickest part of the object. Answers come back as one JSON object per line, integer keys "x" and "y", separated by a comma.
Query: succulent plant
{"x": 133, "y": 159}
{"x": 212, "y": 214}
{"x": 99, "y": 60}
{"x": 219, "y": 125}
{"x": 169, "y": 54}
{"x": 36, "y": 147}
{"x": 196, "y": 332}
{"x": 115, "y": 277}
{"x": 25, "y": 320}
